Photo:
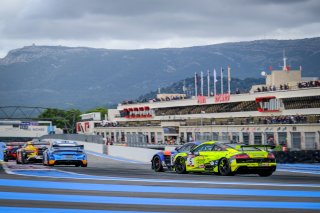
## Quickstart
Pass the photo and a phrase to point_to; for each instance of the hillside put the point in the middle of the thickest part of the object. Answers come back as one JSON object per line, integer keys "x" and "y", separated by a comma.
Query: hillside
{"x": 66, "y": 77}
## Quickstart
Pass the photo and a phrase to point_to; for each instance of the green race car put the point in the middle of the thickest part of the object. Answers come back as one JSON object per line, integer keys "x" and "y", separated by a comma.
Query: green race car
{"x": 227, "y": 159}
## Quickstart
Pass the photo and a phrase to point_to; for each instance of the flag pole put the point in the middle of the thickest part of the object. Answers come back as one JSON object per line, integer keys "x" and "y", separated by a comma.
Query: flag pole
{"x": 221, "y": 73}
{"x": 208, "y": 78}
{"x": 201, "y": 83}
{"x": 229, "y": 80}
{"x": 195, "y": 85}
{"x": 214, "y": 82}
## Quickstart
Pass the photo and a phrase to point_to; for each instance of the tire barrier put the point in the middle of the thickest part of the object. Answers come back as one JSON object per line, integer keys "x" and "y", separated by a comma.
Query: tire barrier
{"x": 303, "y": 156}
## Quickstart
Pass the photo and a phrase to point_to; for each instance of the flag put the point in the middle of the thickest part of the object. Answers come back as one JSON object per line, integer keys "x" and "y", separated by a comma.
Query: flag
{"x": 215, "y": 75}
{"x": 214, "y": 82}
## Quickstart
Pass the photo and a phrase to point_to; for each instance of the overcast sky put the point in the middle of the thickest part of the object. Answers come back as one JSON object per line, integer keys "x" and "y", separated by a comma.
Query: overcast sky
{"x": 136, "y": 24}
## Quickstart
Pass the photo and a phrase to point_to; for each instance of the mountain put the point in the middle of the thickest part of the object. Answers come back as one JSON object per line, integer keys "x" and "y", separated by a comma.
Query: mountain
{"x": 79, "y": 77}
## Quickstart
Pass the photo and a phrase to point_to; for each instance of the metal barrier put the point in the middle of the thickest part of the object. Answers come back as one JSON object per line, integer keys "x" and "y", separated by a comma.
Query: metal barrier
{"x": 303, "y": 156}
{"x": 76, "y": 137}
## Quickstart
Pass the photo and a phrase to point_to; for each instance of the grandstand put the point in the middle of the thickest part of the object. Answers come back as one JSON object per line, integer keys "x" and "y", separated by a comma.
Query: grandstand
{"x": 285, "y": 111}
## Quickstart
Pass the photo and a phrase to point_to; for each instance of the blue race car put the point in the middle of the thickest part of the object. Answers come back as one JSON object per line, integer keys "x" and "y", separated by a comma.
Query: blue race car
{"x": 65, "y": 153}
{"x": 164, "y": 159}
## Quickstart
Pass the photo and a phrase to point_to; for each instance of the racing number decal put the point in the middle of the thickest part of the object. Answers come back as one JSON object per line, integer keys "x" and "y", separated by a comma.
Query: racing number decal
{"x": 190, "y": 160}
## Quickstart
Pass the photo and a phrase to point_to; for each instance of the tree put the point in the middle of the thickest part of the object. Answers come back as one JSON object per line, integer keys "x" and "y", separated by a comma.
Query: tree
{"x": 65, "y": 120}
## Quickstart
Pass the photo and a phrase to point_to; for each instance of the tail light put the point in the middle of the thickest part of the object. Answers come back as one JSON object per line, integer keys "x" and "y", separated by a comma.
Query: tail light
{"x": 241, "y": 156}
{"x": 271, "y": 156}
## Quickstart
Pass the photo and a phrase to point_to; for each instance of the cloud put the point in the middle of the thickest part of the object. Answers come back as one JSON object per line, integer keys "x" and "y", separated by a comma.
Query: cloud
{"x": 134, "y": 24}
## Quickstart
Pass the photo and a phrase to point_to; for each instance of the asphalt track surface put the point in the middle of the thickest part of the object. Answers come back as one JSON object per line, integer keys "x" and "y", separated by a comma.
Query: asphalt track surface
{"x": 117, "y": 185}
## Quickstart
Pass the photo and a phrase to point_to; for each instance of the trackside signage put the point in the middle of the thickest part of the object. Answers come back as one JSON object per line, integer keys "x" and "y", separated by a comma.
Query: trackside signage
{"x": 222, "y": 98}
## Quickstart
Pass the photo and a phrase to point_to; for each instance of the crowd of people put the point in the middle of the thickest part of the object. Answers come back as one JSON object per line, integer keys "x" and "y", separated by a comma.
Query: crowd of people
{"x": 145, "y": 100}
{"x": 272, "y": 88}
{"x": 293, "y": 119}
{"x": 308, "y": 84}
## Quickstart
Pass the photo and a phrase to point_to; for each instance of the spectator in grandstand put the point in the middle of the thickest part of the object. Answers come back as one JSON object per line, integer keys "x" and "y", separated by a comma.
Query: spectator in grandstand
{"x": 237, "y": 91}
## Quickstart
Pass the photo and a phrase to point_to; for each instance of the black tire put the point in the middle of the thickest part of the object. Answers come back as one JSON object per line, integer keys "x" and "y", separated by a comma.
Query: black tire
{"x": 45, "y": 164}
{"x": 180, "y": 165}
{"x": 17, "y": 161}
{"x": 224, "y": 167}
{"x": 84, "y": 165}
{"x": 157, "y": 166}
{"x": 22, "y": 158}
{"x": 265, "y": 173}
{"x": 5, "y": 159}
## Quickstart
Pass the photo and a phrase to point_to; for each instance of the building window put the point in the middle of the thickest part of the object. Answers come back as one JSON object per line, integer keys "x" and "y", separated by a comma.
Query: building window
{"x": 235, "y": 137}
{"x": 310, "y": 139}
{"x": 295, "y": 140}
{"x": 257, "y": 138}
{"x": 246, "y": 138}
{"x": 225, "y": 136}
{"x": 189, "y": 137}
{"x": 282, "y": 138}
{"x": 215, "y": 136}
{"x": 159, "y": 137}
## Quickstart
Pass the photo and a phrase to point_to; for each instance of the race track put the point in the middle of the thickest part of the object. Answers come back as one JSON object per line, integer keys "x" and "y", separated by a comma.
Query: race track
{"x": 118, "y": 185}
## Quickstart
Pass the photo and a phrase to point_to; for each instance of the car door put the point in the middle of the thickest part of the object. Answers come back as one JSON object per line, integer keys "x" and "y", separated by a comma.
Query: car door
{"x": 197, "y": 158}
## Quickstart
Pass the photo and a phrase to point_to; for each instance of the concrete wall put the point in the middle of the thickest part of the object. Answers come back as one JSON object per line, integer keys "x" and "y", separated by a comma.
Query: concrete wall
{"x": 132, "y": 153}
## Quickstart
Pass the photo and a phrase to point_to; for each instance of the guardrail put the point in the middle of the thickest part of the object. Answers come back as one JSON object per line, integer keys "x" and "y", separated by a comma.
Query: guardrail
{"x": 303, "y": 156}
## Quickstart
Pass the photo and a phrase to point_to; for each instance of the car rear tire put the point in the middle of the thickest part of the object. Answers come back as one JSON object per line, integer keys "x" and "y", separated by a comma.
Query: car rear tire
{"x": 17, "y": 161}
{"x": 180, "y": 165}
{"x": 157, "y": 166}
{"x": 265, "y": 173}
{"x": 22, "y": 158}
{"x": 84, "y": 165}
{"x": 224, "y": 167}
{"x": 43, "y": 161}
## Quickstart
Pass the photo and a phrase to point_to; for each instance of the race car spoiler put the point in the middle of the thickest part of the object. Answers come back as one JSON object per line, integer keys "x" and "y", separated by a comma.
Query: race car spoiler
{"x": 40, "y": 143}
{"x": 15, "y": 143}
{"x": 266, "y": 147}
{"x": 63, "y": 146}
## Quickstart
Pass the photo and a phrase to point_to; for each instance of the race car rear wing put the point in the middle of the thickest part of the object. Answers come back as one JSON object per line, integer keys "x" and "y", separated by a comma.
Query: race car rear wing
{"x": 69, "y": 146}
{"x": 15, "y": 143}
{"x": 40, "y": 143}
{"x": 265, "y": 147}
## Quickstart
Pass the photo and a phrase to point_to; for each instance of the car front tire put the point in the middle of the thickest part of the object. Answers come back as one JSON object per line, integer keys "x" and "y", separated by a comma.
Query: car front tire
{"x": 180, "y": 165}
{"x": 157, "y": 166}
{"x": 224, "y": 167}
